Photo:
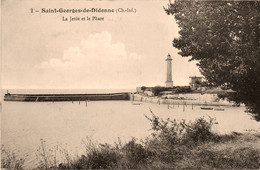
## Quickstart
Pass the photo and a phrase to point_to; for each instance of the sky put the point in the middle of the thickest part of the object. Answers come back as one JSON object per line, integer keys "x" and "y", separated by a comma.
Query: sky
{"x": 125, "y": 50}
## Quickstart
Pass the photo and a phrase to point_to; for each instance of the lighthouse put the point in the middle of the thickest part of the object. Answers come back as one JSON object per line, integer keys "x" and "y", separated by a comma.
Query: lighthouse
{"x": 169, "y": 82}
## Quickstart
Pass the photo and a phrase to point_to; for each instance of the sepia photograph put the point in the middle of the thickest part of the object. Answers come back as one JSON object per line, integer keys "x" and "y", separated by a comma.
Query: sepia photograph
{"x": 128, "y": 84}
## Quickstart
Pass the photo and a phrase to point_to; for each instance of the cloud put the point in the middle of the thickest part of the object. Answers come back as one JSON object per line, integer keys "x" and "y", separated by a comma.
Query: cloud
{"x": 96, "y": 62}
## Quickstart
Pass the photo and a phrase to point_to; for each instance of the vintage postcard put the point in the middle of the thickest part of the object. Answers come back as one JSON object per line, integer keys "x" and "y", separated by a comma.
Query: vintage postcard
{"x": 129, "y": 84}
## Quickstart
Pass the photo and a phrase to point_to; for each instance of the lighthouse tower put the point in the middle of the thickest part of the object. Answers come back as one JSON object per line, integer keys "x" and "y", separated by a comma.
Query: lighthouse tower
{"x": 169, "y": 82}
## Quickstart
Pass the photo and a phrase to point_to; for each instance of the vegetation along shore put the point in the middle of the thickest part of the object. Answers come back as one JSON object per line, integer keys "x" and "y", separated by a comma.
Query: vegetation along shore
{"x": 172, "y": 145}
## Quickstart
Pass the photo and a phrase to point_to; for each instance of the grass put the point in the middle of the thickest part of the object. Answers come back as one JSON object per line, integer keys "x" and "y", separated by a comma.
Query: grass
{"x": 235, "y": 151}
{"x": 172, "y": 145}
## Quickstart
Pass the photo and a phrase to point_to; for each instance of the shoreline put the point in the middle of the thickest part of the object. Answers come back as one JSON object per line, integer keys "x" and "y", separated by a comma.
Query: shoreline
{"x": 160, "y": 100}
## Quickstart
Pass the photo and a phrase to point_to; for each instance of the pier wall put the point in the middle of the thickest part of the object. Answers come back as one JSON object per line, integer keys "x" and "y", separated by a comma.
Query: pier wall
{"x": 187, "y": 99}
{"x": 65, "y": 97}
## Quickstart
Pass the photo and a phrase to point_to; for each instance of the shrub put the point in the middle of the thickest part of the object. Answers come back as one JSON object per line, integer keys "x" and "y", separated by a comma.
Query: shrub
{"x": 172, "y": 140}
{"x": 199, "y": 131}
{"x": 9, "y": 159}
{"x": 135, "y": 154}
{"x": 157, "y": 89}
{"x": 143, "y": 88}
{"x": 102, "y": 156}
{"x": 47, "y": 157}
{"x": 183, "y": 90}
{"x": 179, "y": 132}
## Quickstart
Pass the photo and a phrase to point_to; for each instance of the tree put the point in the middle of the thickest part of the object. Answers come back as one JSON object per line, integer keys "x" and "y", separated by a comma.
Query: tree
{"x": 223, "y": 36}
{"x": 143, "y": 88}
{"x": 183, "y": 90}
{"x": 157, "y": 89}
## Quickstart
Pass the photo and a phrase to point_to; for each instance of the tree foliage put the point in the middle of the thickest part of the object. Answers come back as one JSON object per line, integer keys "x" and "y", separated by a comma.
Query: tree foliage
{"x": 223, "y": 36}
{"x": 157, "y": 90}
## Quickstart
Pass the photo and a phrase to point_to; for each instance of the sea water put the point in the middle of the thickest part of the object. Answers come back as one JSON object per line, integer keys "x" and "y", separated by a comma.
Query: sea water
{"x": 71, "y": 124}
